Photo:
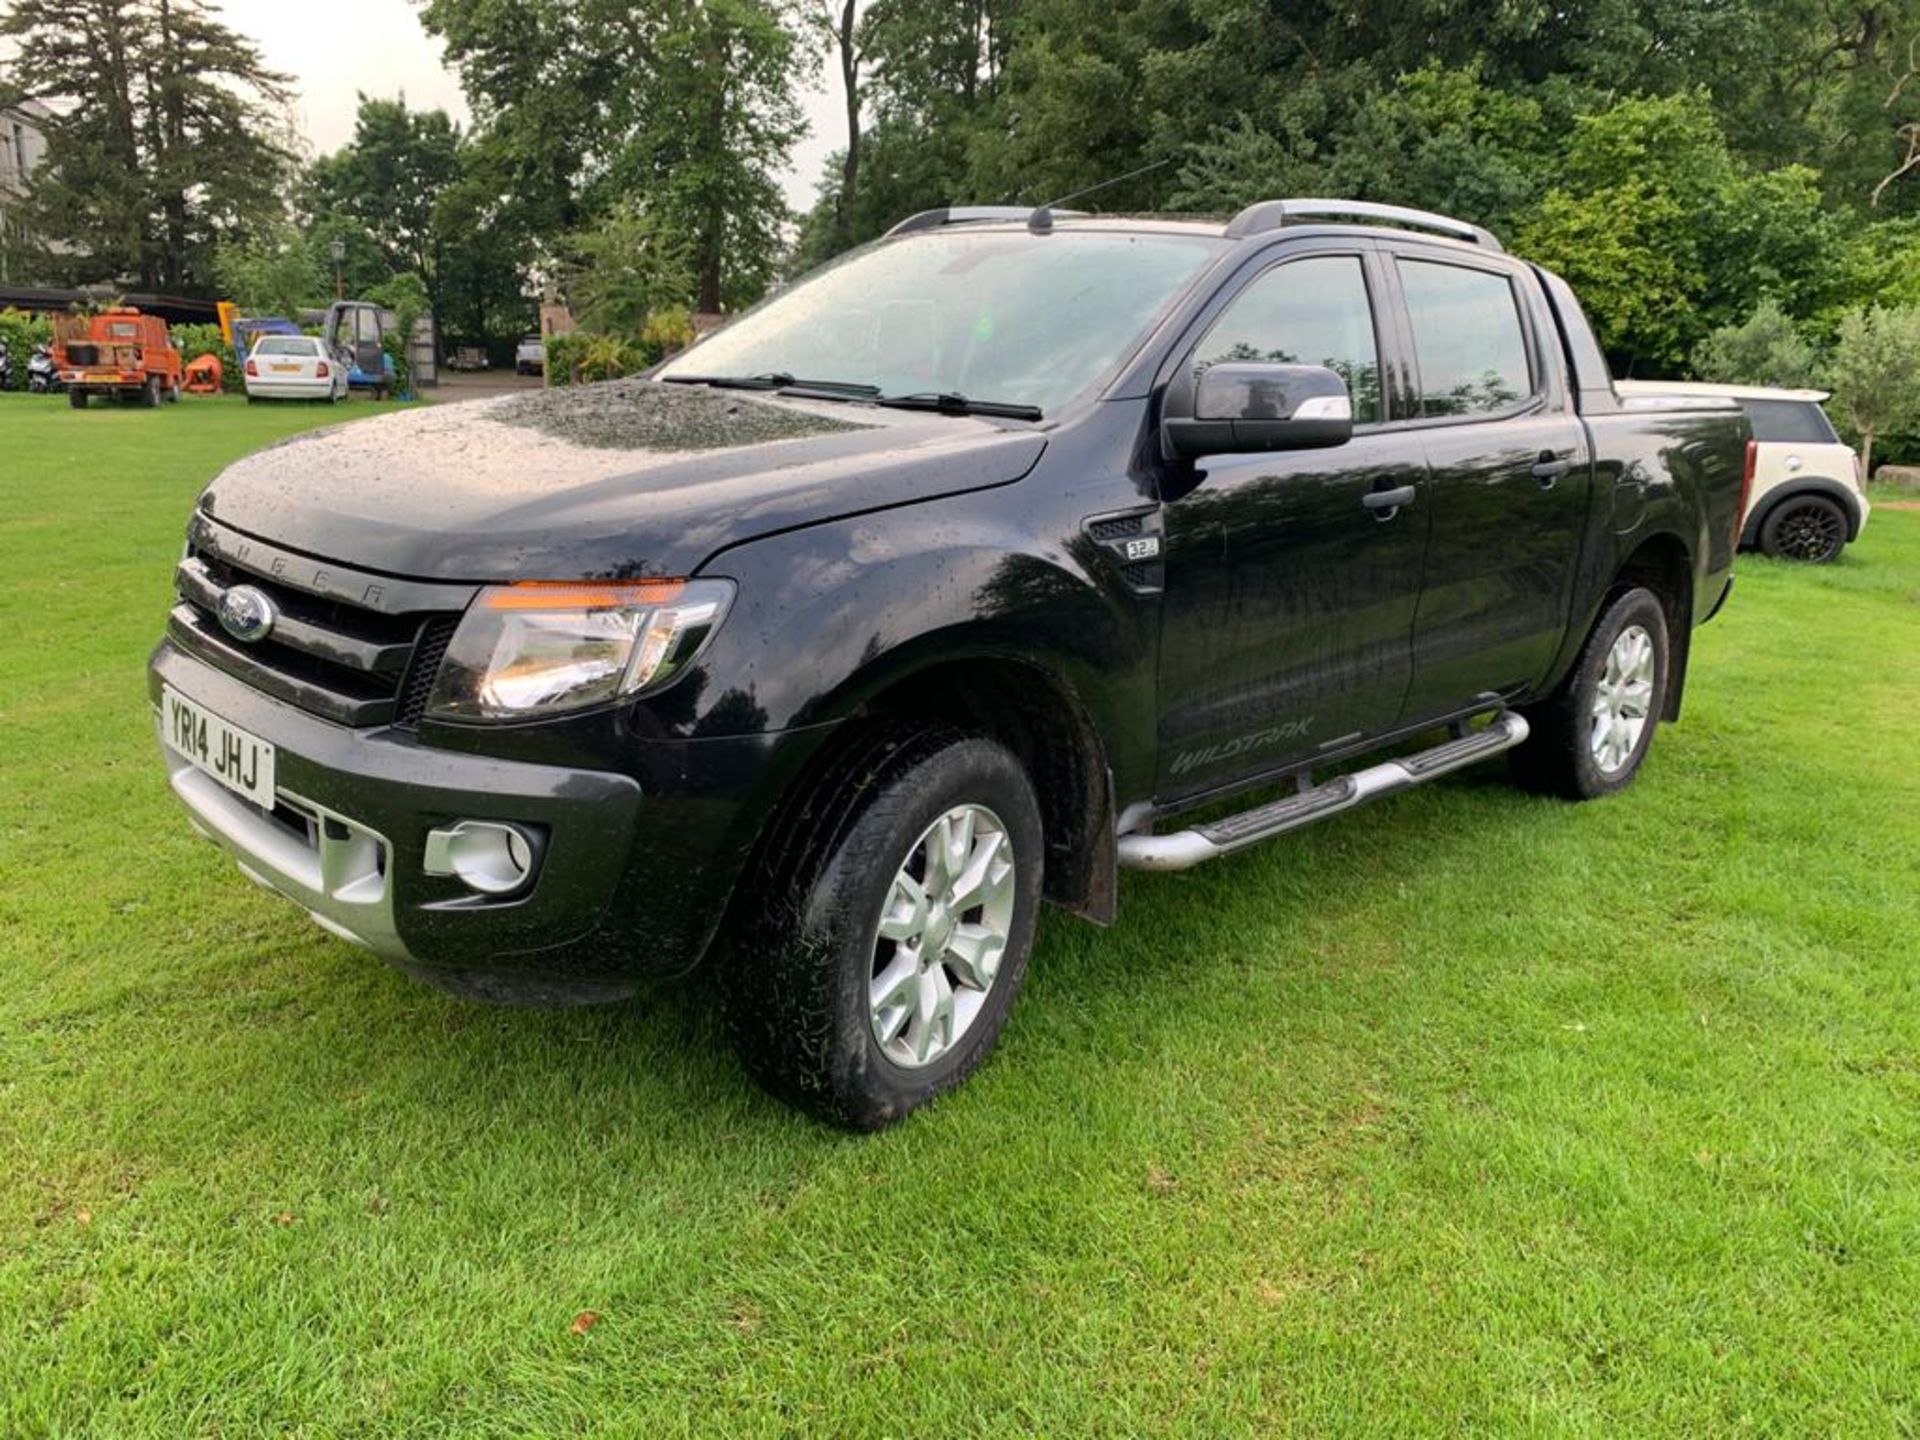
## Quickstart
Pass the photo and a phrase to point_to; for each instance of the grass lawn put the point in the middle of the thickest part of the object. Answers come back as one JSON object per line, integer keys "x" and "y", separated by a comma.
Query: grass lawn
{"x": 1469, "y": 1112}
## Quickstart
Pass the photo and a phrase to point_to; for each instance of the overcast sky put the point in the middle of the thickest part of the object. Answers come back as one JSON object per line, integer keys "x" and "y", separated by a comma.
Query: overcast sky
{"x": 337, "y": 48}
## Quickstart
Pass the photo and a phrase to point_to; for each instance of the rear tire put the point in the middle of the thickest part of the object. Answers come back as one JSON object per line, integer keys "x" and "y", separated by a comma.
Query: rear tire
{"x": 77, "y": 399}
{"x": 150, "y": 393}
{"x": 1590, "y": 736}
{"x": 1808, "y": 528}
{"x": 853, "y": 990}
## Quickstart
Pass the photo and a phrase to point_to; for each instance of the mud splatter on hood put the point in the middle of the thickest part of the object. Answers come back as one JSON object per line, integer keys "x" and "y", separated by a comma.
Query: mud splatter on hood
{"x": 643, "y": 415}
{"x": 626, "y": 477}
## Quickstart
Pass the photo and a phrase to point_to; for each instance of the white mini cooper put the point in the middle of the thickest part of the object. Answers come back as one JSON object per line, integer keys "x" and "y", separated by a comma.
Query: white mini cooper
{"x": 1807, "y": 501}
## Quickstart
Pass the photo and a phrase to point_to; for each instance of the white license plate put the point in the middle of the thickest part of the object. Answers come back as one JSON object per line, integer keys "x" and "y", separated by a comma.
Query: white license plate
{"x": 241, "y": 762}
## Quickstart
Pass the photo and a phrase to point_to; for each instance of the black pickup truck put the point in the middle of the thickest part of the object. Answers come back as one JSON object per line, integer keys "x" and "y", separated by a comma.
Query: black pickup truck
{"x": 958, "y": 576}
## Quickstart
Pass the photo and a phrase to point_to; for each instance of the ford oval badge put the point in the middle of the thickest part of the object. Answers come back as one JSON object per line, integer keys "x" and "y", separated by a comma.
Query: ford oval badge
{"x": 246, "y": 613}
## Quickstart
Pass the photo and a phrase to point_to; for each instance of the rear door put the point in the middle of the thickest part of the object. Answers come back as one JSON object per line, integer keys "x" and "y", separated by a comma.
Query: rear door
{"x": 1509, "y": 476}
{"x": 1289, "y": 605}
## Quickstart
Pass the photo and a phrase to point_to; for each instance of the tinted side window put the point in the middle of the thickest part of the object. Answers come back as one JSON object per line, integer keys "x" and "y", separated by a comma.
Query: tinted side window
{"x": 1467, "y": 339}
{"x": 1794, "y": 422}
{"x": 1304, "y": 312}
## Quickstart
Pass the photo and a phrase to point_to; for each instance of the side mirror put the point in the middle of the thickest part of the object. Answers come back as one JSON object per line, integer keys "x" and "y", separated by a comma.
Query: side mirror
{"x": 1245, "y": 407}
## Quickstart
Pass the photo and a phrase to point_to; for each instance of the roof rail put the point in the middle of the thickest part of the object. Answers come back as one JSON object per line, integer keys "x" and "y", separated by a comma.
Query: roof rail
{"x": 1267, "y": 215}
{"x": 971, "y": 214}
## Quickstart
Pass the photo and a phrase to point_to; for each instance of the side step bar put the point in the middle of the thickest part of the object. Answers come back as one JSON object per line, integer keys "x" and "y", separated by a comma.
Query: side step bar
{"x": 1184, "y": 849}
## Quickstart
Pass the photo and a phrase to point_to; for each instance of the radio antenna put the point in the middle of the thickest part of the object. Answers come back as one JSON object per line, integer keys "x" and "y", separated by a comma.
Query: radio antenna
{"x": 1042, "y": 217}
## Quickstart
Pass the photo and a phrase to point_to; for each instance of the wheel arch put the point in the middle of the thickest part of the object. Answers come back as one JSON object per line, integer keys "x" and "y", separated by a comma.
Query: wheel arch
{"x": 1662, "y": 564}
{"x": 1034, "y": 711}
{"x": 1795, "y": 489}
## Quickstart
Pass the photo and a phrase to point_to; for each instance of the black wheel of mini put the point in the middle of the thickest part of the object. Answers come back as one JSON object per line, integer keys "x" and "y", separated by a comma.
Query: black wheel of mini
{"x": 150, "y": 393}
{"x": 1590, "y": 736}
{"x": 1809, "y": 528}
{"x": 876, "y": 965}
{"x": 77, "y": 399}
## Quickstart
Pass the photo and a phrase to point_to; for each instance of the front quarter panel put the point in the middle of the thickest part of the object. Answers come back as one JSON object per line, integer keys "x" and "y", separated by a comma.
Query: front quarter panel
{"x": 829, "y": 616}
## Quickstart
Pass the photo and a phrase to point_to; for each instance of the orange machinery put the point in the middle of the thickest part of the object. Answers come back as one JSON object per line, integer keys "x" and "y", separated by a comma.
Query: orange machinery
{"x": 119, "y": 353}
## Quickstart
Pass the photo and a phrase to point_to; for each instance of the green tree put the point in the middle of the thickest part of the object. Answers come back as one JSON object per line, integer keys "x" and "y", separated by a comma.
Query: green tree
{"x": 1767, "y": 348}
{"x": 272, "y": 272}
{"x": 1669, "y": 236}
{"x": 481, "y": 288}
{"x": 689, "y": 105}
{"x": 1875, "y": 375}
{"x": 162, "y": 145}
{"x": 626, "y": 268}
{"x": 387, "y": 185}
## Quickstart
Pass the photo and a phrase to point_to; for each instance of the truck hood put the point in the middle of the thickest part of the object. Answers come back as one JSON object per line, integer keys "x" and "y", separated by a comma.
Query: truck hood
{"x": 624, "y": 480}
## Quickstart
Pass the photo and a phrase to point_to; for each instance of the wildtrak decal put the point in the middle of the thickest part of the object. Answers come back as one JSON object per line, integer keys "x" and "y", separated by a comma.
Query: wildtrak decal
{"x": 1244, "y": 745}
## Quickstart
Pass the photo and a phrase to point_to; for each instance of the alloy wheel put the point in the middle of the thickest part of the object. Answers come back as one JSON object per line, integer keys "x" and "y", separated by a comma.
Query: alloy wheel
{"x": 943, "y": 930}
{"x": 1623, "y": 700}
{"x": 1809, "y": 532}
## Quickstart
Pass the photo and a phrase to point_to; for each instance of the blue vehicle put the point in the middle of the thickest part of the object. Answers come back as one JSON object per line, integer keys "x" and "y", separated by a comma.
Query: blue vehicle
{"x": 247, "y": 329}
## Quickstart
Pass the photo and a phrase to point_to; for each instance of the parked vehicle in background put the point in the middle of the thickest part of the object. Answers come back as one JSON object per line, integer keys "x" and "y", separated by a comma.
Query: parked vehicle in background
{"x": 967, "y": 571}
{"x": 6, "y": 367}
{"x": 294, "y": 367}
{"x": 43, "y": 376}
{"x": 116, "y": 354}
{"x": 1808, "y": 500}
{"x": 530, "y": 356}
{"x": 353, "y": 330}
{"x": 468, "y": 358}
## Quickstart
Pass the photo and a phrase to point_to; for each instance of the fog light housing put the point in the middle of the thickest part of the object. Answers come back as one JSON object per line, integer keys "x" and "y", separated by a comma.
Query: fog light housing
{"x": 489, "y": 856}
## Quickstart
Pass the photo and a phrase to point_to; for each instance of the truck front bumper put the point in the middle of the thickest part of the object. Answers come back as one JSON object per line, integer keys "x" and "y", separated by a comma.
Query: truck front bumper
{"x": 631, "y": 881}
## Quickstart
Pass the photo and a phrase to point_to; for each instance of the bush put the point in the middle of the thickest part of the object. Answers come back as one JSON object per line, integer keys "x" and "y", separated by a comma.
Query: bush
{"x": 21, "y": 333}
{"x": 1767, "y": 350}
{"x": 665, "y": 332}
{"x": 580, "y": 357}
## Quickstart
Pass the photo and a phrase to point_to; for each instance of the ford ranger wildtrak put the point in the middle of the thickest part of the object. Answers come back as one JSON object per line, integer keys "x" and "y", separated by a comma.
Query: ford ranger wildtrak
{"x": 1012, "y": 550}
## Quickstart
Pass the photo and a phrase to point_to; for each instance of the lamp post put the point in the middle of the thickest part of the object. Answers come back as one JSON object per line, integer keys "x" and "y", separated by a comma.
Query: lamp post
{"x": 338, "y": 249}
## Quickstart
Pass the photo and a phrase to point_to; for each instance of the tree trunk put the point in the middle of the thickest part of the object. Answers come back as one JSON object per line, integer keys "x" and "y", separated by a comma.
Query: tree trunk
{"x": 709, "y": 298}
{"x": 850, "y": 165}
{"x": 1866, "y": 456}
{"x": 172, "y": 130}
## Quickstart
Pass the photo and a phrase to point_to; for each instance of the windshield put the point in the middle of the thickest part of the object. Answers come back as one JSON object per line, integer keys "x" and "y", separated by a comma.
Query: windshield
{"x": 998, "y": 316}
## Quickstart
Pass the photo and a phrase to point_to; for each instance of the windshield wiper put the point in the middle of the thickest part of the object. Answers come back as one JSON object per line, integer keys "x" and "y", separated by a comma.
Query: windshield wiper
{"x": 946, "y": 402}
{"x": 774, "y": 380}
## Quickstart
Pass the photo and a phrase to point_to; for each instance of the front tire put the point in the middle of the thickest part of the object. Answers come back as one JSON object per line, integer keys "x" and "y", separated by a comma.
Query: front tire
{"x": 878, "y": 965}
{"x": 1589, "y": 738}
{"x": 1808, "y": 528}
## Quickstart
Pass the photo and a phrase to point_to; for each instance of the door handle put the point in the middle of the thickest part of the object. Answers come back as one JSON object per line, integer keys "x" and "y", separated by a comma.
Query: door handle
{"x": 1549, "y": 468}
{"x": 1384, "y": 502}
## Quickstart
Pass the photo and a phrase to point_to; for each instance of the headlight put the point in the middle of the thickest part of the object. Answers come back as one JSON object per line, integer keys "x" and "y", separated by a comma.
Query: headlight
{"x": 544, "y": 646}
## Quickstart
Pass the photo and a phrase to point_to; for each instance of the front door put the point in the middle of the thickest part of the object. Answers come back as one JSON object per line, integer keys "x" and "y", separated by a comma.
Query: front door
{"x": 1289, "y": 604}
